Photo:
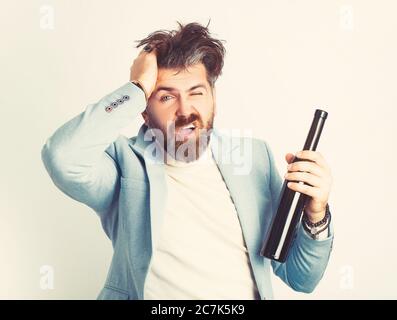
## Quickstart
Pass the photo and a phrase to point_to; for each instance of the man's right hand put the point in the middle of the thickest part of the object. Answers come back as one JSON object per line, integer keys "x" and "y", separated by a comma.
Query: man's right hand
{"x": 144, "y": 71}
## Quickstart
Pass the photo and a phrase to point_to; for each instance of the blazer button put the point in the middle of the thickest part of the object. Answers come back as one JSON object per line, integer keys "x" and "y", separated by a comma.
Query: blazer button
{"x": 108, "y": 109}
{"x": 126, "y": 97}
{"x": 120, "y": 101}
{"x": 114, "y": 104}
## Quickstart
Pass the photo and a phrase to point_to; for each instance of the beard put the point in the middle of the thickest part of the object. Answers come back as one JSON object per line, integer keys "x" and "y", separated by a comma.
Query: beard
{"x": 181, "y": 143}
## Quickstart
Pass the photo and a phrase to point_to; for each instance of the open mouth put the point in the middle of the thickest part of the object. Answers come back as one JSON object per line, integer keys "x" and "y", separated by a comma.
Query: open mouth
{"x": 185, "y": 132}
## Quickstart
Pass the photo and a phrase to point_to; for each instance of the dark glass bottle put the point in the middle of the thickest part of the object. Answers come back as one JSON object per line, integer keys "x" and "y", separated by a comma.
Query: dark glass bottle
{"x": 289, "y": 212}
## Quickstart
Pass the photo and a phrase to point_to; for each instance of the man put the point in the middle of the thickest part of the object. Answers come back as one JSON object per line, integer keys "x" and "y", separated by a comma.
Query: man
{"x": 183, "y": 221}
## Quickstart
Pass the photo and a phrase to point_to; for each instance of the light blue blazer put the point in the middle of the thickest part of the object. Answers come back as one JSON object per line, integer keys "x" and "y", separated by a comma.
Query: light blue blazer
{"x": 91, "y": 162}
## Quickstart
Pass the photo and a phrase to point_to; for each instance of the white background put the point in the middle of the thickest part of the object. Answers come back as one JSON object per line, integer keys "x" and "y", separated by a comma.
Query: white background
{"x": 284, "y": 59}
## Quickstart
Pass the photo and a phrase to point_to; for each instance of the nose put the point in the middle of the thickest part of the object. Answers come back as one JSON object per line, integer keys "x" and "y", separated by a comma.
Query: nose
{"x": 184, "y": 108}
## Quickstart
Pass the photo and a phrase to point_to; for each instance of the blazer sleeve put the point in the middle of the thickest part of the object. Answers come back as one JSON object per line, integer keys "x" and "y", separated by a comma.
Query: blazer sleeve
{"x": 308, "y": 258}
{"x": 78, "y": 155}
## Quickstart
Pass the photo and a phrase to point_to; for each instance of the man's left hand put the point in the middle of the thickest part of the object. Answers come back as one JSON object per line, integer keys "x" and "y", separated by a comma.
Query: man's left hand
{"x": 312, "y": 169}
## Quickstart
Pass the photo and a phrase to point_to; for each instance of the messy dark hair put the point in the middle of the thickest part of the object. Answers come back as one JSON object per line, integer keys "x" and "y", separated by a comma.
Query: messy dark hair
{"x": 191, "y": 44}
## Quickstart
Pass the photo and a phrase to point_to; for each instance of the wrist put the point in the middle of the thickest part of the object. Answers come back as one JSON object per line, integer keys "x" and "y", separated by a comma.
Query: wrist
{"x": 140, "y": 86}
{"x": 316, "y": 217}
{"x": 317, "y": 229}
{"x": 315, "y": 220}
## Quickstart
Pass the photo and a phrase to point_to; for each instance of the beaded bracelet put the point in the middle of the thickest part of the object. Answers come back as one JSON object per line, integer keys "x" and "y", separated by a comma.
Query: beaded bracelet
{"x": 319, "y": 223}
{"x": 316, "y": 231}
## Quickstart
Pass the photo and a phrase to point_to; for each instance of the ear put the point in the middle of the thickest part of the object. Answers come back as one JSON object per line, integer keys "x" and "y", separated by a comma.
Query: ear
{"x": 145, "y": 117}
{"x": 214, "y": 98}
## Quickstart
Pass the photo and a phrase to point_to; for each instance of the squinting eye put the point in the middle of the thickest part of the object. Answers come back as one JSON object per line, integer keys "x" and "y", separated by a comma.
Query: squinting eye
{"x": 197, "y": 94}
{"x": 163, "y": 98}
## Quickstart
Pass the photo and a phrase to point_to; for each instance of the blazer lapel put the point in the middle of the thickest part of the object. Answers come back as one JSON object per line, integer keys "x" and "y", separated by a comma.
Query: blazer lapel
{"x": 153, "y": 158}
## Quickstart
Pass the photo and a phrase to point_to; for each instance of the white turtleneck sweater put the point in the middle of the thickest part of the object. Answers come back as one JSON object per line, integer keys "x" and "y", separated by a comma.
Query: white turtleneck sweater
{"x": 201, "y": 253}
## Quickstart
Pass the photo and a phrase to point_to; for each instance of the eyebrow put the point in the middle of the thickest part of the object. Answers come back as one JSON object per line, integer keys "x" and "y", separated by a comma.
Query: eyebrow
{"x": 164, "y": 88}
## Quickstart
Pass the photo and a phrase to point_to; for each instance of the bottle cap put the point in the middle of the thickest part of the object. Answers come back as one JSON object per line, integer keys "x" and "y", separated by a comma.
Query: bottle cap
{"x": 321, "y": 114}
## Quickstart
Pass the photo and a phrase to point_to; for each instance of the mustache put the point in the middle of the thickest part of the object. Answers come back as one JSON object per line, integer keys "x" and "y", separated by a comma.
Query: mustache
{"x": 183, "y": 120}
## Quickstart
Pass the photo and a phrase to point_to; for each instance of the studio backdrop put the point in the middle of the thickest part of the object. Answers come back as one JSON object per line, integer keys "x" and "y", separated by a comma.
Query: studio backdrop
{"x": 284, "y": 59}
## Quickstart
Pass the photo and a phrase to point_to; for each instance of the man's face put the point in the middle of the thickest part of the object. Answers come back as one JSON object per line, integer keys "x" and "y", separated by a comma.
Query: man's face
{"x": 182, "y": 106}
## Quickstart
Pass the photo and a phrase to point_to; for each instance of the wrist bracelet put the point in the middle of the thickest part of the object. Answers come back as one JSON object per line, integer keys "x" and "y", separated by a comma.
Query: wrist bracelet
{"x": 315, "y": 231}
{"x": 319, "y": 223}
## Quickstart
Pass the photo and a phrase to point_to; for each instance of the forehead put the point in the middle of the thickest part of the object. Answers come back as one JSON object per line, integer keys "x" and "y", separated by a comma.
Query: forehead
{"x": 181, "y": 78}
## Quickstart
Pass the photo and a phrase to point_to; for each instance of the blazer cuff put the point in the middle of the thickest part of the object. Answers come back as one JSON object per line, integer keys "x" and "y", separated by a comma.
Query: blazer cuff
{"x": 127, "y": 95}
